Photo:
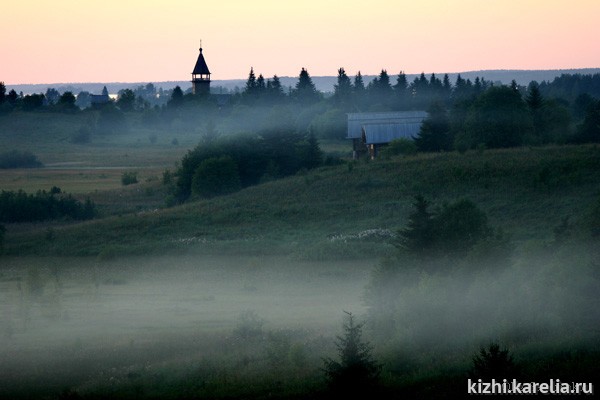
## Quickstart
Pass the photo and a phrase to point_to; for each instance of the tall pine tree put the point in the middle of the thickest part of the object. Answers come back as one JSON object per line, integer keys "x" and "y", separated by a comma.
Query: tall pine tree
{"x": 305, "y": 91}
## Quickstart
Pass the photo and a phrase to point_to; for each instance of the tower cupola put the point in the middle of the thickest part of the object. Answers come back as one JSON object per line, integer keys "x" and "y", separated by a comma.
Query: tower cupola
{"x": 201, "y": 76}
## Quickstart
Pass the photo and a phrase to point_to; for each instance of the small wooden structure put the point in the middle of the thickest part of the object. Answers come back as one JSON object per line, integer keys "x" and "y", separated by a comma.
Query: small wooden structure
{"x": 370, "y": 131}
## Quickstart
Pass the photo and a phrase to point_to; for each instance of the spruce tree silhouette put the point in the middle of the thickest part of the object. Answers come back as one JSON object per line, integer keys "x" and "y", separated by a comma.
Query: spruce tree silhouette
{"x": 493, "y": 362}
{"x": 356, "y": 372}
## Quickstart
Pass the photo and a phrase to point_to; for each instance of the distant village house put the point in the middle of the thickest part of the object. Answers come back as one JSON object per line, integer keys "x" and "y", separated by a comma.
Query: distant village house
{"x": 371, "y": 131}
{"x": 99, "y": 99}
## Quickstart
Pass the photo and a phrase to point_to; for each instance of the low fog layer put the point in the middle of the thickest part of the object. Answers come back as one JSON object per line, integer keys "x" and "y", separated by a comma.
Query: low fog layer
{"x": 90, "y": 318}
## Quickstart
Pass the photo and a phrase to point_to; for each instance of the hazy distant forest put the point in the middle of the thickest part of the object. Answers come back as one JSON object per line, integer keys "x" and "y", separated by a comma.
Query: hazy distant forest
{"x": 170, "y": 245}
{"x": 462, "y": 115}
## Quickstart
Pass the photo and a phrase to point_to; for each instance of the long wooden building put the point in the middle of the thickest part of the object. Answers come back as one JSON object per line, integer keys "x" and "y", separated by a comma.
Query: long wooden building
{"x": 370, "y": 131}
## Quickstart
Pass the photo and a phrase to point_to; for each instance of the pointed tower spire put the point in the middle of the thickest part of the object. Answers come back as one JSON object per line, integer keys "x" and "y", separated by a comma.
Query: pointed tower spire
{"x": 201, "y": 76}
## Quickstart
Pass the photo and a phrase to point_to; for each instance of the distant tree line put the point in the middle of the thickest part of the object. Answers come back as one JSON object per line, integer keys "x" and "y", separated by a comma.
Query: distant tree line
{"x": 22, "y": 207}
{"x": 461, "y": 112}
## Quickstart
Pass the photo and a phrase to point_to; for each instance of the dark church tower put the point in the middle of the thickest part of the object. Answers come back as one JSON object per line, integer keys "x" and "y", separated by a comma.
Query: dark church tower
{"x": 201, "y": 77}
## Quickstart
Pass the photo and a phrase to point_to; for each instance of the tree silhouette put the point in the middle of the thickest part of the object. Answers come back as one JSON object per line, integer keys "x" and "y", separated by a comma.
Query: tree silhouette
{"x": 359, "y": 84}
{"x": 434, "y": 134}
{"x": 342, "y": 91}
{"x": 215, "y": 177}
{"x": 176, "y": 97}
{"x": 380, "y": 89}
{"x": 52, "y": 95}
{"x": 401, "y": 90}
{"x": 493, "y": 362}
{"x": 67, "y": 101}
{"x": 498, "y": 118}
{"x": 260, "y": 85}
{"x": 2, "y": 92}
{"x": 356, "y": 372}
{"x": 126, "y": 100}
{"x": 12, "y": 96}
{"x": 250, "y": 83}
{"x": 534, "y": 98}
{"x": 589, "y": 131}
{"x": 274, "y": 90}
{"x": 417, "y": 237}
{"x": 306, "y": 92}
{"x": 313, "y": 156}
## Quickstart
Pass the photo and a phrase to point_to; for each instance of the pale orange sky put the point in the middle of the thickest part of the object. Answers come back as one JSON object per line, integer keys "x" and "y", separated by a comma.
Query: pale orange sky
{"x": 60, "y": 41}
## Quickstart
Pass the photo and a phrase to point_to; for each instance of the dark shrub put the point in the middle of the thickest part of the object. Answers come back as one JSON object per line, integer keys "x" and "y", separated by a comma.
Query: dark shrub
{"x": 129, "y": 178}
{"x": 216, "y": 176}
{"x": 19, "y": 159}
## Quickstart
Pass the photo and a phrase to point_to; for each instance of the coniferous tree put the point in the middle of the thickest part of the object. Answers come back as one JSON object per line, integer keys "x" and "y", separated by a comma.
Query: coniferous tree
{"x": 493, "y": 362}
{"x": 535, "y": 102}
{"x": 342, "y": 91}
{"x": 417, "y": 237}
{"x": 477, "y": 86}
{"x": 359, "y": 84}
{"x": 384, "y": 81}
{"x": 274, "y": 90}
{"x": 305, "y": 91}
{"x": 401, "y": 91}
{"x": 447, "y": 87}
{"x": 250, "y": 89}
{"x": 589, "y": 131}
{"x": 435, "y": 86}
{"x": 358, "y": 90}
{"x": 461, "y": 89}
{"x": 260, "y": 85}
{"x": 356, "y": 373}
{"x": 314, "y": 156}
{"x": 434, "y": 134}
{"x": 534, "y": 98}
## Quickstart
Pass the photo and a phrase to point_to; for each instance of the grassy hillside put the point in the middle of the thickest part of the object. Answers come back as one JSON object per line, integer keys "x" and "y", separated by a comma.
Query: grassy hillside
{"x": 321, "y": 214}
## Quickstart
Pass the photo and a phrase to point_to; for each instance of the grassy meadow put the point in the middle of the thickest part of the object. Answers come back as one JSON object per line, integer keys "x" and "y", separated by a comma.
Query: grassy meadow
{"x": 242, "y": 296}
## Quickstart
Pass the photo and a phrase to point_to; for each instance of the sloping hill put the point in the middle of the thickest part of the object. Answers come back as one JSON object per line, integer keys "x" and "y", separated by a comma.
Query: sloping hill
{"x": 350, "y": 210}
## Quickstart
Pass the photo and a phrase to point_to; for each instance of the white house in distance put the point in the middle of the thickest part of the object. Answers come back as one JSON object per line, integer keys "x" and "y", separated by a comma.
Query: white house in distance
{"x": 370, "y": 131}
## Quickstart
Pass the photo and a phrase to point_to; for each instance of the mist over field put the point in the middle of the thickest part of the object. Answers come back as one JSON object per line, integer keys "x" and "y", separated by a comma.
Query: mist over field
{"x": 105, "y": 327}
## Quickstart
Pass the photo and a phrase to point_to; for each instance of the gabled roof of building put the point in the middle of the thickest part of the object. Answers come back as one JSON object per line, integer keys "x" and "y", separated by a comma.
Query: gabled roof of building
{"x": 398, "y": 119}
{"x": 201, "y": 67}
